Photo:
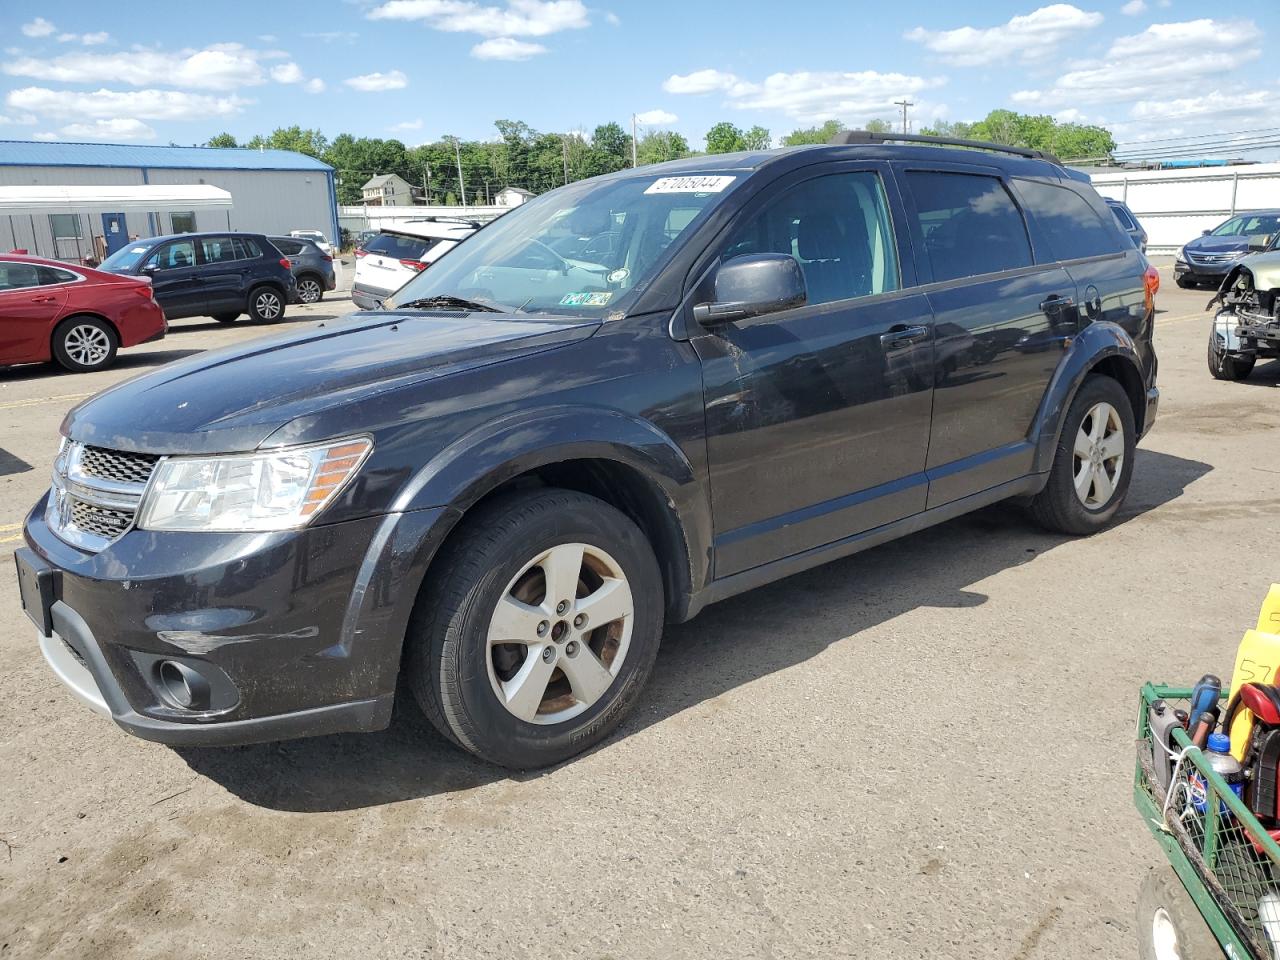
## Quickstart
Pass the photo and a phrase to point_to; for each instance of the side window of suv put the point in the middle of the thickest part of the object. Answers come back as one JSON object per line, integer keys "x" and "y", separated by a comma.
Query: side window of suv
{"x": 1070, "y": 225}
{"x": 246, "y": 248}
{"x": 217, "y": 249}
{"x": 970, "y": 224}
{"x": 838, "y": 229}
{"x": 173, "y": 256}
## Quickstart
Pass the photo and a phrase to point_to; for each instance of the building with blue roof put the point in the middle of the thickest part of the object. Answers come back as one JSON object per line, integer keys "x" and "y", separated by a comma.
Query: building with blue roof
{"x": 272, "y": 191}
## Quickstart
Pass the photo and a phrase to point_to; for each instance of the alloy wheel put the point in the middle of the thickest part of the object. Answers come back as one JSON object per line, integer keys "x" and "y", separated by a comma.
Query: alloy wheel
{"x": 560, "y": 633}
{"x": 1098, "y": 455}
{"x": 309, "y": 291}
{"x": 268, "y": 305}
{"x": 87, "y": 345}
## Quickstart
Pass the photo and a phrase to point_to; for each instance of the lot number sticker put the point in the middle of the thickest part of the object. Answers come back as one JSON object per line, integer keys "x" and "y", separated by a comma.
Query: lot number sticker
{"x": 690, "y": 184}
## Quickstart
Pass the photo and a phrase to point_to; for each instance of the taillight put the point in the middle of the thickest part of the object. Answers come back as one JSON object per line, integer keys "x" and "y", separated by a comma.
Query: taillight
{"x": 360, "y": 252}
{"x": 143, "y": 290}
{"x": 417, "y": 265}
{"x": 284, "y": 262}
{"x": 327, "y": 259}
{"x": 1151, "y": 282}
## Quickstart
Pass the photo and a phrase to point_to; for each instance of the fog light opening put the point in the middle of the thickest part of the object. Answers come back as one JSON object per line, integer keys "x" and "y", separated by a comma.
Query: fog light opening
{"x": 182, "y": 686}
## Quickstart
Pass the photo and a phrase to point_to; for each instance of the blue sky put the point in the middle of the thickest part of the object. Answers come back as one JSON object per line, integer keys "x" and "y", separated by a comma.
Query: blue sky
{"x": 417, "y": 69}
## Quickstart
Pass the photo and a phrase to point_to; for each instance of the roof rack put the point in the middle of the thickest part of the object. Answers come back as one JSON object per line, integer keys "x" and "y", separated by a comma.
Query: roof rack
{"x": 446, "y": 218}
{"x": 845, "y": 137}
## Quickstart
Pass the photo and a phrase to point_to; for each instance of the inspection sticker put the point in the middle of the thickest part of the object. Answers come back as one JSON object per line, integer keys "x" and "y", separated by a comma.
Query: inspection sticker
{"x": 690, "y": 184}
{"x": 586, "y": 299}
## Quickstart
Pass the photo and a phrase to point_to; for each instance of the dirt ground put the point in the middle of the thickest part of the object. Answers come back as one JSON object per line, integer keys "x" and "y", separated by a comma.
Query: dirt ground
{"x": 922, "y": 751}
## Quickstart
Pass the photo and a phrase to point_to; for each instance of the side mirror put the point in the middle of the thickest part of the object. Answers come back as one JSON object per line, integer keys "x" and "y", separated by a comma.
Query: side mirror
{"x": 149, "y": 269}
{"x": 751, "y": 286}
{"x": 1205, "y": 233}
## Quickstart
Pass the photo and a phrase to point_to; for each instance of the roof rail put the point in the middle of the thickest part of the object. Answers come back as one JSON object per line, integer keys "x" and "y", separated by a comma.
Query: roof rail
{"x": 845, "y": 137}
{"x": 446, "y": 218}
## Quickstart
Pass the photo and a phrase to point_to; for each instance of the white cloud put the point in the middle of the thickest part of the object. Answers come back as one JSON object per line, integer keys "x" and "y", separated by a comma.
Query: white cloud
{"x": 1166, "y": 61}
{"x": 23, "y": 119}
{"x": 612, "y": 19}
{"x": 373, "y": 82}
{"x": 653, "y": 117}
{"x": 114, "y": 129}
{"x": 288, "y": 72}
{"x": 407, "y": 126}
{"x": 814, "y": 96}
{"x": 44, "y": 135}
{"x": 314, "y": 85}
{"x": 1026, "y": 37}
{"x": 39, "y": 27}
{"x": 219, "y": 66}
{"x": 333, "y": 36}
{"x": 701, "y": 81}
{"x": 1134, "y": 7}
{"x": 506, "y": 48}
{"x": 268, "y": 38}
{"x": 519, "y": 18}
{"x": 110, "y": 104}
{"x": 94, "y": 39}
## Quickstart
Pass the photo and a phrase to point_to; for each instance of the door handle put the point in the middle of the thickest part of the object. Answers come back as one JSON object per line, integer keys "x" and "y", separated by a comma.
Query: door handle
{"x": 903, "y": 336}
{"x": 1056, "y": 302}
{"x": 43, "y": 299}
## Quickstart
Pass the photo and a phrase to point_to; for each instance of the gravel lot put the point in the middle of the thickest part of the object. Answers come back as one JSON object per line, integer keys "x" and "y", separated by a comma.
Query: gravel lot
{"x": 925, "y": 750}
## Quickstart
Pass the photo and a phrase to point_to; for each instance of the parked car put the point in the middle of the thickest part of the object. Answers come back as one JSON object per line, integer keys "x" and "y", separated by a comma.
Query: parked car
{"x": 312, "y": 268}
{"x": 501, "y": 486}
{"x": 397, "y": 254}
{"x": 50, "y": 310}
{"x": 1247, "y": 327}
{"x": 215, "y": 275}
{"x": 1128, "y": 223}
{"x": 316, "y": 237}
{"x": 1211, "y": 256}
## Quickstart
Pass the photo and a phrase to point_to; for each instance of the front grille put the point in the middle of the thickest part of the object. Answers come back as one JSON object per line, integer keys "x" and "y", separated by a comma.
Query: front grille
{"x": 1212, "y": 259}
{"x": 117, "y": 465}
{"x": 99, "y": 521}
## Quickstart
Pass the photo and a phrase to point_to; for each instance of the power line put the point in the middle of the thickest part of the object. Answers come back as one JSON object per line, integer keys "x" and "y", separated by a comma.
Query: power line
{"x": 904, "y": 103}
{"x": 1201, "y": 136}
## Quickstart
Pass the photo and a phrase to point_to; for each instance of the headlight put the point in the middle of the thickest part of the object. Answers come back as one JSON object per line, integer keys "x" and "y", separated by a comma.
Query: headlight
{"x": 1182, "y": 254}
{"x": 252, "y": 492}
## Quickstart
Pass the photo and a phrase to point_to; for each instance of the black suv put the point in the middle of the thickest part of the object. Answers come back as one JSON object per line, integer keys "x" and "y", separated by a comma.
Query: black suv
{"x": 219, "y": 275}
{"x": 501, "y": 486}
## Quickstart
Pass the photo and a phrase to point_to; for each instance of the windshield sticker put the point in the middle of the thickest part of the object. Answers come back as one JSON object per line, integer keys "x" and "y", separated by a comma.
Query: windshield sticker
{"x": 618, "y": 275}
{"x": 690, "y": 184}
{"x": 585, "y": 299}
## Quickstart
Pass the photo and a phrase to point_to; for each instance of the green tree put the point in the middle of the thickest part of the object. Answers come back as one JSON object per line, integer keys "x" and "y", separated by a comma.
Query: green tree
{"x": 658, "y": 146}
{"x": 1042, "y": 132}
{"x": 757, "y": 138}
{"x": 222, "y": 140}
{"x": 311, "y": 142}
{"x": 822, "y": 134}
{"x": 877, "y": 125}
{"x": 724, "y": 137}
{"x": 356, "y": 159}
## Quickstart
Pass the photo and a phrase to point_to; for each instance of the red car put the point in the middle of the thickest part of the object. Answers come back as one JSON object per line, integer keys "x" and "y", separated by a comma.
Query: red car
{"x": 71, "y": 314}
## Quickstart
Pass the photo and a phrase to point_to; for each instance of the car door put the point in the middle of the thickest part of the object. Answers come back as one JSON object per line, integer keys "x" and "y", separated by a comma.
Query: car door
{"x": 1002, "y": 322}
{"x": 817, "y": 417}
{"x": 176, "y": 278}
{"x": 27, "y": 312}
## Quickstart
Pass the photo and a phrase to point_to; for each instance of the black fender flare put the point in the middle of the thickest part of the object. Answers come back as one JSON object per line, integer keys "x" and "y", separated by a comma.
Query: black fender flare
{"x": 1092, "y": 345}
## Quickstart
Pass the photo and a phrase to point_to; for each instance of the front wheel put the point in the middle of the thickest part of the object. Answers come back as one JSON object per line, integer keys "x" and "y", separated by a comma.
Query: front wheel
{"x": 82, "y": 344}
{"x": 534, "y": 639}
{"x": 310, "y": 290}
{"x": 1093, "y": 462}
{"x": 1223, "y": 365}
{"x": 266, "y": 305}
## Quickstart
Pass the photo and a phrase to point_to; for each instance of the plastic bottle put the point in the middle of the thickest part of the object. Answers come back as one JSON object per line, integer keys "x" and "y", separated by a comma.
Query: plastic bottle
{"x": 1218, "y": 753}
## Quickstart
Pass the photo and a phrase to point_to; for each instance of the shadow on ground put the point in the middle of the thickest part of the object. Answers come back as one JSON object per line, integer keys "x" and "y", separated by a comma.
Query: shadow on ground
{"x": 729, "y": 644}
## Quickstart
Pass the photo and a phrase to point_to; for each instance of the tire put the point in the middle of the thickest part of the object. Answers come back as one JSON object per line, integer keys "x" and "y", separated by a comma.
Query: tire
{"x": 1169, "y": 925}
{"x": 310, "y": 289}
{"x": 493, "y": 698}
{"x": 1091, "y": 469}
{"x": 266, "y": 304}
{"x": 226, "y": 317}
{"x": 1185, "y": 282}
{"x": 1223, "y": 366}
{"x": 84, "y": 344}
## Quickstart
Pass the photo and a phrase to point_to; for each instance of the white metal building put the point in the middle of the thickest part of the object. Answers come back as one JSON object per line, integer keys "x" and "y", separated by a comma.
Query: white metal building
{"x": 1175, "y": 206}
{"x": 272, "y": 191}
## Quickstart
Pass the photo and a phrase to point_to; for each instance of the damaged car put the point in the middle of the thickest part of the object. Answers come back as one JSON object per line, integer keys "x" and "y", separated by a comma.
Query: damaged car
{"x": 1246, "y": 327}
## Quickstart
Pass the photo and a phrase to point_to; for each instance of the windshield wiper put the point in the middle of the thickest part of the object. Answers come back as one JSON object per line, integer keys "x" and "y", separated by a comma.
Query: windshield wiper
{"x": 446, "y": 302}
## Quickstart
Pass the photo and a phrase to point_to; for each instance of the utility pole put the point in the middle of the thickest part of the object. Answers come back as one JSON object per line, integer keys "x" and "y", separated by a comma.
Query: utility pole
{"x": 633, "y": 141}
{"x": 904, "y": 104}
{"x": 462, "y": 184}
{"x": 426, "y": 183}
{"x": 564, "y": 148}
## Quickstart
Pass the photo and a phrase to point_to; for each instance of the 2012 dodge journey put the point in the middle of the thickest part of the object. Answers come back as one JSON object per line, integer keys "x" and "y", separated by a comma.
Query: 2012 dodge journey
{"x": 628, "y": 398}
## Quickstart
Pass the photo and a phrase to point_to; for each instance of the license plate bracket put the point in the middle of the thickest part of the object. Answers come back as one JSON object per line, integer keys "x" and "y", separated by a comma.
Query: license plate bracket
{"x": 36, "y": 587}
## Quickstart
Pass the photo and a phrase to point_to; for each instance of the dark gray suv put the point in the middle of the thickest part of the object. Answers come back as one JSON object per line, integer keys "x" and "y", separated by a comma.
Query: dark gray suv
{"x": 312, "y": 268}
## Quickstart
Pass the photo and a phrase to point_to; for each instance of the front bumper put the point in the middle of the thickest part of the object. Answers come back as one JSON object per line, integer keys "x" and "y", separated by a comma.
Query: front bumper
{"x": 1201, "y": 271}
{"x": 292, "y": 634}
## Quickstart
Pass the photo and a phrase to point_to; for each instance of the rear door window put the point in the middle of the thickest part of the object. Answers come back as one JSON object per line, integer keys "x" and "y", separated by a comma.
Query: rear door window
{"x": 218, "y": 250}
{"x": 290, "y": 248}
{"x": 247, "y": 248}
{"x": 1072, "y": 227}
{"x": 399, "y": 247}
{"x": 52, "y": 275}
{"x": 18, "y": 276}
{"x": 969, "y": 223}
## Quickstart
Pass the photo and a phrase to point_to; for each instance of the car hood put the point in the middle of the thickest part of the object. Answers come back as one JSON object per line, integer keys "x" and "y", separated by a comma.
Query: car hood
{"x": 1219, "y": 245}
{"x": 235, "y": 398}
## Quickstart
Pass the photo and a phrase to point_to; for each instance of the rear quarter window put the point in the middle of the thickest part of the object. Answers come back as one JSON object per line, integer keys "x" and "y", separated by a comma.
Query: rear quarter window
{"x": 290, "y": 248}
{"x": 1070, "y": 225}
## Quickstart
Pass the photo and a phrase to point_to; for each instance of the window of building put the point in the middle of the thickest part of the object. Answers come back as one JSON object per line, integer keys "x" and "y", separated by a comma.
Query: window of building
{"x": 66, "y": 226}
{"x": 839, "y": 230}
{"x": 183, "y": 222}
{"x": 1070, "y": 225}
{"x": 971, "y": 225}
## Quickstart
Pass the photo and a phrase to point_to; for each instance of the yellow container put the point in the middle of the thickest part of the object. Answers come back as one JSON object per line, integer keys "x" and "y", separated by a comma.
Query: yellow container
{"x": 1257, "y": 661}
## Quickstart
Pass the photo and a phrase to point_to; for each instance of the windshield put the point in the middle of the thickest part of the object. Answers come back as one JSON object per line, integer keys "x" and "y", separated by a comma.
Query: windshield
{"x": 126, "y": 258}
{"x": 1249, "y": 225}
{"x": 579, "y": 250}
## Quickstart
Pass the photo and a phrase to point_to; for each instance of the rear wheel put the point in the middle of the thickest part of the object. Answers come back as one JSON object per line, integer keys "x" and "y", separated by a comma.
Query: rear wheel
{"x": 81, "y": 344}
{"x": 1093, "y": 462}
{"x": 540, "y": 630}
{"x": 1224, "y": 366}
{"x": 266, "y": 304}
{"x": 1169, "y": 925}
{"x": 226, "y": 317}
{"x": 310, "y": 290}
